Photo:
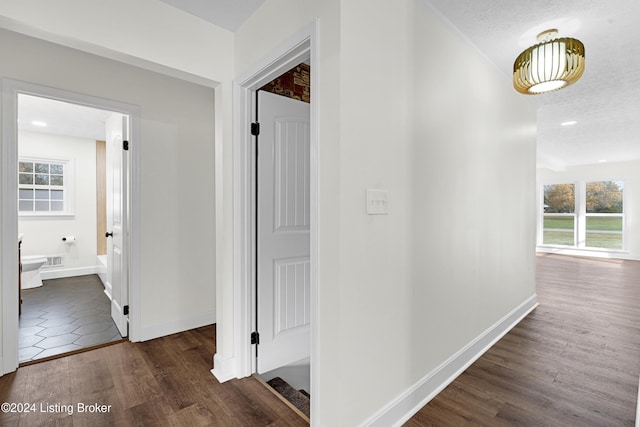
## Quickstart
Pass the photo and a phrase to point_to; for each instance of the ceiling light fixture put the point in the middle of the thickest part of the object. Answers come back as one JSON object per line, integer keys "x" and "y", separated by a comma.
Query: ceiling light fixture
{"x": 39, "y": 124}
{"x": 569, "y": 123}
{"x": 549, "y": 65}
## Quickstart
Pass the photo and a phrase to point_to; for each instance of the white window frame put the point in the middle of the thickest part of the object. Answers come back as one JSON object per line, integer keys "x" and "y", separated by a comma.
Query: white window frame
{"x": 606, "y": 215}
{"x": 580, "y": 218}
{"x": 68, "y": 187}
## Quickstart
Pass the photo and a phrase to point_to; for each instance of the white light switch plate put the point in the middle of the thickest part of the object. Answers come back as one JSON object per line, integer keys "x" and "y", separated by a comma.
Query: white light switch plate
{"x": 377, "y": 202}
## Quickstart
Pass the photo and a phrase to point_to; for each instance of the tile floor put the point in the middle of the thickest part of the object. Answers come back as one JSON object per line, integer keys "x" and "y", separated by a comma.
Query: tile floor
{"x": 64, "y": 315}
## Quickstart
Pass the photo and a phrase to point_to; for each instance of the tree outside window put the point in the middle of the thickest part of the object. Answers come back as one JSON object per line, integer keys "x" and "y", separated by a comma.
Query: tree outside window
{"x": 591, "y": 217}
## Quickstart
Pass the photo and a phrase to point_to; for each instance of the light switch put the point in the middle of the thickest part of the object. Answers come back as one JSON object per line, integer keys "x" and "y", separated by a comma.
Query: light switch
{"x": 377, "y": 202}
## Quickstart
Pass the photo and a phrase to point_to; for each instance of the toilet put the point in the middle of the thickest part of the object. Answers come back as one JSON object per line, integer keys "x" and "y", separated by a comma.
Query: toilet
{"x": 31, "y": 270}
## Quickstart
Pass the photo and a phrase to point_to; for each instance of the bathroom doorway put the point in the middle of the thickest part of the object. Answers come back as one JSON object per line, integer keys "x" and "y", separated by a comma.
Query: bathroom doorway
{"x": 66, "y": 189}
{"x": 128, "y": 184}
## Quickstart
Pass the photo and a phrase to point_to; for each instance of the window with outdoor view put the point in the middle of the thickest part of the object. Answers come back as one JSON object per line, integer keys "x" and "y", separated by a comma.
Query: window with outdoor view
{"x": 604, "y": 212}
{"x": 43, "y": 187}
{"x": 584, "y": 215}
{"x": 559, "y": 215}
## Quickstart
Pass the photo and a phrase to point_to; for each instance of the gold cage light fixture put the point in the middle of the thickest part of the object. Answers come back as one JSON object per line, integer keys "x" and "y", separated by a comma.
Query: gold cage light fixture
{"x": 550, "y": 65}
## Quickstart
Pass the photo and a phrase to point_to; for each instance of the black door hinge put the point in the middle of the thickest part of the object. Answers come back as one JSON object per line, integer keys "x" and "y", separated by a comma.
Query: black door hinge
{"x": 255, "y": 128}
{"x": 125, "y": 310}
{"x": 255, "y": 338}
{"x": 125, "y": 145}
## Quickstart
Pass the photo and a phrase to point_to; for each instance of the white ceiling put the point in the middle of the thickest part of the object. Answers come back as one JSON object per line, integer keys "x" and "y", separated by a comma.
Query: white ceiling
{"x": 227, "y": 14}
{"x": 605, "y": 102}
{"x": 61, "y": 118}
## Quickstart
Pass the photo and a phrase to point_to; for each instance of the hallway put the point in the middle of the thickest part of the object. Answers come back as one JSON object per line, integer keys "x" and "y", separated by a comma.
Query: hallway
{"x": 575, "y": 360}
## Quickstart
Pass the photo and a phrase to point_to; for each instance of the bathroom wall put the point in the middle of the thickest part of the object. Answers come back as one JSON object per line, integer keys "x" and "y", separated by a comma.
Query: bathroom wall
{"x": 43, "y": 235}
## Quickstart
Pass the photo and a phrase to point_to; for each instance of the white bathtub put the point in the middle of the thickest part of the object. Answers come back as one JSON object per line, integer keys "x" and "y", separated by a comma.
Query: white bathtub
{"x": 101, "y": 265}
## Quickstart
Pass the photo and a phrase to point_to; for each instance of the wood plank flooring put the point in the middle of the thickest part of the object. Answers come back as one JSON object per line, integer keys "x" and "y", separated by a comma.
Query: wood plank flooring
{"x": 574, "y": 361}
{"x": 163, "y": 382}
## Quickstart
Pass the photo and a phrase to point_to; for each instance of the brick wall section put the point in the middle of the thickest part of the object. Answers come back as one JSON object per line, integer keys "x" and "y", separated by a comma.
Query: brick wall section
{"x": 295, "y": 83}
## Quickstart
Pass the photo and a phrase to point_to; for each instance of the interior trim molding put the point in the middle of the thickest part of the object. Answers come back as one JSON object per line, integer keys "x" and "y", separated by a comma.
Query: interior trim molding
{"x": 401, "y": 409}
{"x": 300, "y": 46}
{"x": 223, "y": 369}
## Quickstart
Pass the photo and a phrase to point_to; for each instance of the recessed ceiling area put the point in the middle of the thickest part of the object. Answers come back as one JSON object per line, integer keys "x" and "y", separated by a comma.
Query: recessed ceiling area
{"x": 36, "y": 114}
{"x": 604, "y": 103}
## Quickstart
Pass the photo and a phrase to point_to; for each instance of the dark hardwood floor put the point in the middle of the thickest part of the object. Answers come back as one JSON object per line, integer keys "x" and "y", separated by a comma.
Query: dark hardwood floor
{"x": 574, "y": 361}
{"x": 163, "y": 382}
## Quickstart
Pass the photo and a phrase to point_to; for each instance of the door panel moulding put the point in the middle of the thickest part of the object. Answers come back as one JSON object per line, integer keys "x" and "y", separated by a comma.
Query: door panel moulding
{"x": 9, "y": 225}
{"x": 298, "y": 48}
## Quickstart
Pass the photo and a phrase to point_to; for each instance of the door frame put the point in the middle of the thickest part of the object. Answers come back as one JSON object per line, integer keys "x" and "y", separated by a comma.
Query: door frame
{"x": 9, "y": 223}
{"x": 296, "y": 49}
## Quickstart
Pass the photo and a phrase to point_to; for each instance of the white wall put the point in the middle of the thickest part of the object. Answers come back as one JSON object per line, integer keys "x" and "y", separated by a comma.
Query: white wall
{"x": 629, "y": 172}
{"x": 177, "y": 172}
{"x": 267, "y": 28}
{"x": 43, "y": 235}
{"x": 145, "y": 31}
{"x": 420, "y": 114}
{"x": 382, "y": 281}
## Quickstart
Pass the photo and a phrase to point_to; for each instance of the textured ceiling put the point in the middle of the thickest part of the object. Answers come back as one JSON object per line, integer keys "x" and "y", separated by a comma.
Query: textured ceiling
{"x": 605, "y": 102}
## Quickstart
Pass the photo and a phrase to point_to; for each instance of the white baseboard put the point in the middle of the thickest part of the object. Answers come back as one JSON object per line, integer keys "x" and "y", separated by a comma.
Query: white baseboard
{"x": 223, "y": 369}
{"x": 174, "y": 326}
{"x": 59, "y": 273}
{"x": 411, "y": 401}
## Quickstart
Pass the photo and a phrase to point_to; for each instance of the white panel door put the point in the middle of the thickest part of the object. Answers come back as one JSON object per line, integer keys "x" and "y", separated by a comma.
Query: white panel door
{"x": 117, "y": 287}
{"x": 283, "y": 231}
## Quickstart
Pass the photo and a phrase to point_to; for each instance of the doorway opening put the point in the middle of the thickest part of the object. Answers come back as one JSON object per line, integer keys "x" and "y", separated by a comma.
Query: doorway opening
{"x": 51, "y": 206}
{"x": 283, "y": 285}
{"x": 299, "y": 48}
{"x": 65, "y": 188}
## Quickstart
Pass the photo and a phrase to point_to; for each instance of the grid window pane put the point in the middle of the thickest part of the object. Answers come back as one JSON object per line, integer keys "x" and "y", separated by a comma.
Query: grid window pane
{"x": 57, "y": 195}
{"x": 42, "y": 168}
{"x": 25, "y": 178}
{"x": 25, "y": 206}
{"x": 604, "y": 197}
{"x": 25, "y": 194}
{"x": 42, "y": 179}
{"x": 42, "y": 194}
{"x": 42, "y": 206}
{"x": 57, "y": 206}
{"x": 565, "y": 238}
{"x": 604, "y": 240}
{"x": 57, "y": 180}
{"x": 25, "y": 166}
{"x": 559, "y": 198}
{"x": 604, "y": 223}
{"x": 56, "y": 169}
{"x": 559, "y": 230}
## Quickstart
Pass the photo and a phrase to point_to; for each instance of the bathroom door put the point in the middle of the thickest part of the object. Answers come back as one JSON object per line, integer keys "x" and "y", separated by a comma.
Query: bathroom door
{"x": 117, "y": 270}
{"x": 283, "y": 247}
